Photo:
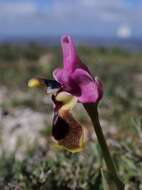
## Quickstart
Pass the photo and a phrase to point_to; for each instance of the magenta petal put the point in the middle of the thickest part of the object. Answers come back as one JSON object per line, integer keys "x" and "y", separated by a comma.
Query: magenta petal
{"x": 57, "y": 74}
{"x": 63, "y": 77}
{"x": 69, "y": 53}
{"x": 65, "y": 80}
{"x": 91, "y": 90}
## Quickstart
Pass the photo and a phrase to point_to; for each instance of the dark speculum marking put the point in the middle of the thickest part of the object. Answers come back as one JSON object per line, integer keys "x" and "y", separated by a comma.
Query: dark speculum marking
{"x": 60, "y": 127}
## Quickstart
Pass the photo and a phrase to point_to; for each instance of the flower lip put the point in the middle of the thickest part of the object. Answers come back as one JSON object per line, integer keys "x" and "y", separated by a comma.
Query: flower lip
{"x": 72, "y": 137}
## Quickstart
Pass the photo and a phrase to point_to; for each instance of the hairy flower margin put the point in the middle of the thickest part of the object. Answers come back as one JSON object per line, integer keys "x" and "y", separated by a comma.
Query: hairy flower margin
{"x": 73, "y": 83}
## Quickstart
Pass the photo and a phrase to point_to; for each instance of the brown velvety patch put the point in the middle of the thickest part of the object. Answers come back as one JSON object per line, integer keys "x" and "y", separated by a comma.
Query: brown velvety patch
{"x": 72, "y": 139}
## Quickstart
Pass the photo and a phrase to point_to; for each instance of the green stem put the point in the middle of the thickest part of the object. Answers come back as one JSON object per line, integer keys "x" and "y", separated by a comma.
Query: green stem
{"x": 93, "y": 113}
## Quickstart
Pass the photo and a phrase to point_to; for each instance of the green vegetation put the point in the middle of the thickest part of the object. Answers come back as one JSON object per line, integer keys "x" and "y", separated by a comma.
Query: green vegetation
{"x": 43, "y": 168}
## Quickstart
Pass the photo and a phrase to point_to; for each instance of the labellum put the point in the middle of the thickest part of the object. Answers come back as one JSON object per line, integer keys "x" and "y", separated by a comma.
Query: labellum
{"x": 67, "y": 132}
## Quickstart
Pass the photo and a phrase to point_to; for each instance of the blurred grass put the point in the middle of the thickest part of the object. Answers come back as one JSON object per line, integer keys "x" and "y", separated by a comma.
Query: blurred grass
{"x": 121, "y": 108}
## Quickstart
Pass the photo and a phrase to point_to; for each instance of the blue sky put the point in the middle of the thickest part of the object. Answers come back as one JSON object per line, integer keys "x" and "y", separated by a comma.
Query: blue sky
{"x": 105, "y": 18}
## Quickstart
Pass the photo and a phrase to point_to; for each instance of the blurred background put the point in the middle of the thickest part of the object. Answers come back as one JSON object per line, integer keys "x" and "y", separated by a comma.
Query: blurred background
{"x": 108, "y": 35}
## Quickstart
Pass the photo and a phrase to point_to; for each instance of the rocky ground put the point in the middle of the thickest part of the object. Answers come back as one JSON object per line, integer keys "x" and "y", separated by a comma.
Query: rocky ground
{"x": 20, "y": 126}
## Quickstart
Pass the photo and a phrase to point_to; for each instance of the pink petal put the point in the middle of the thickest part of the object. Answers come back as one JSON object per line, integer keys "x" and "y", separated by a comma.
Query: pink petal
{"x": 64, "y": 78}
{"x": 57, "y": 74}
{"x": 70, "y": 58}
{"x": 91, "y": 90}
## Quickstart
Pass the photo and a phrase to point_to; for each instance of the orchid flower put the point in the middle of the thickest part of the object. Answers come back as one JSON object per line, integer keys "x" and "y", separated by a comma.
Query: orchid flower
{"x": 75, "y": 84}
{"x": 67, "y": 133}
